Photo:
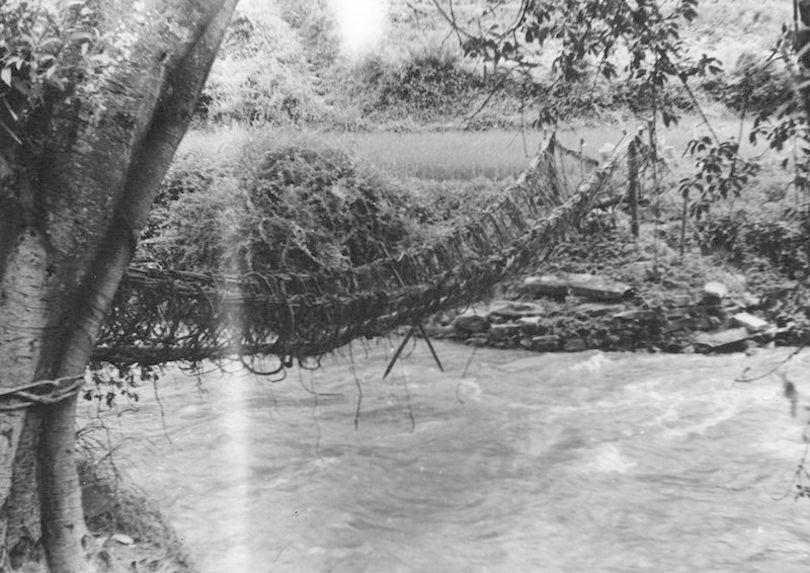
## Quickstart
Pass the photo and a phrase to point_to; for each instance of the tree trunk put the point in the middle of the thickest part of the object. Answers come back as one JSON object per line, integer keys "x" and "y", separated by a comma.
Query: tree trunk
{"x": 801, "y": 15}
{"x": 62, "y": 253}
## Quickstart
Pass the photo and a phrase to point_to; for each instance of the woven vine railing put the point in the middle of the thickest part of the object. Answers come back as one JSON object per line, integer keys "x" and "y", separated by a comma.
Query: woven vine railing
{"x": 163, "y": 316}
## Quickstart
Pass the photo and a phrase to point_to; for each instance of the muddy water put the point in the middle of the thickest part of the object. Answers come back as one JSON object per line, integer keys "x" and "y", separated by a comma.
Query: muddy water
{"x": 578, "y": 462}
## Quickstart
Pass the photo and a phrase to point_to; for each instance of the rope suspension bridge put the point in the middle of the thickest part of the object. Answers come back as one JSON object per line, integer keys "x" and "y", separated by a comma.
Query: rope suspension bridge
{"x": 161, "y": 316}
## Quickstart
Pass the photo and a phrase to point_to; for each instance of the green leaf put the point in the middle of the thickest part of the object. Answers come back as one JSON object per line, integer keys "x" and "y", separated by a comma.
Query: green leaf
{"x": 5, "y": 75}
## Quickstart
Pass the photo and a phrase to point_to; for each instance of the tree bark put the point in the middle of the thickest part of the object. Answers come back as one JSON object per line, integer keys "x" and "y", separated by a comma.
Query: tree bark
{"x": 108, "y": 143}
{"x": 801, "y": 15}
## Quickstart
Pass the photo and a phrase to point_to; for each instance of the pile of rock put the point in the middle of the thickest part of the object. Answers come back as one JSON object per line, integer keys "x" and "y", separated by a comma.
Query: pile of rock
{"x": 575, "y": 312}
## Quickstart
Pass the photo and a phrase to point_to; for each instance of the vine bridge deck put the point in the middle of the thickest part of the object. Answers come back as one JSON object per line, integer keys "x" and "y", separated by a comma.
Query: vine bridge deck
{"x": 163, "y": 316}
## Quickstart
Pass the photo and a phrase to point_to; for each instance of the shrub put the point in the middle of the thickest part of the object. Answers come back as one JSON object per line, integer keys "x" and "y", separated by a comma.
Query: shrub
{"x": 261, "y": 75}
{"x": 782, "y": 242}
{"x": 322, "y": 210}
{"x": 753, "y": 84}
{"x": 203, "y": 229}
{"x": 302, "y": 208}
{"x": 427, "y": 83}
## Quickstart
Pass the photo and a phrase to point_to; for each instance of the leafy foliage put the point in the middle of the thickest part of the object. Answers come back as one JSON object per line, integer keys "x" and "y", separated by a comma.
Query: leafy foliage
{"x": 721, "y": 174}
{"x": 112, "y": 383}
{"x": 315, "y": 24}
{"x": 755, "y": 84}
{"x": 426, "y": 84}
{"x": 783, "y": 243}
{"x": 319, "y": 209}
{"x": 38, "y": 58}
{"x": 261, "y": 76}
{"x": 587, "y": 36}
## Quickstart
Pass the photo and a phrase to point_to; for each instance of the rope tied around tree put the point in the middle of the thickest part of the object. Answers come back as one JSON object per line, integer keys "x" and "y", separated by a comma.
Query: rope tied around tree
{"x": 40, "y": 393}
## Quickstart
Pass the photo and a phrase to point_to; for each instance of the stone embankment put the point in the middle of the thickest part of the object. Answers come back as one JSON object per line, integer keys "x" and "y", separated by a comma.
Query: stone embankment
{"x": 570, "y": 312}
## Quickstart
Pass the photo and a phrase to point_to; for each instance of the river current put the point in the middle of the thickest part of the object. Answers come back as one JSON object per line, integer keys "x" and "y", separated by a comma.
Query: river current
{"x": 522, "y": 463}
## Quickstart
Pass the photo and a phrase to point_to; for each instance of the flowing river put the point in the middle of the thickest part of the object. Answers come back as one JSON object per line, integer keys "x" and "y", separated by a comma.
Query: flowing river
{"x": 525, "y": 463}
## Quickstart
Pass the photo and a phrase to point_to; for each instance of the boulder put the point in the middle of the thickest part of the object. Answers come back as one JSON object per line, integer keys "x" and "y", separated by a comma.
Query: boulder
{"x": 515, "y": 309}
{"x": 635, "y": 315}
{"x": 723, "y": 340}
{"x": 504, "y": 331}
{"x": 594, "y": 309}
{"x": 531, "y": 325}
{"x": 467, "y": 324}
{"x": 680, "y": 301}
{"x": 748, "y": 300}
{"x": 595, "y": 287}
{"x": 548, "y": 343}
{"x": 478, "y": 340}
{"x": 750, "y": 322}
{"x": 586, "y": 286}
{"x": 546, "y": 285}
{"x": 575, "y": 345}
{"x": 715, "y": 291}
{"x": 674, "y": 325}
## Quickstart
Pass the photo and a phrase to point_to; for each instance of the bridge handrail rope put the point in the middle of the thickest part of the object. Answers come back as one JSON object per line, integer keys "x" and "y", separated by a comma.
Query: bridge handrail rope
{"x": 164, "y": 316}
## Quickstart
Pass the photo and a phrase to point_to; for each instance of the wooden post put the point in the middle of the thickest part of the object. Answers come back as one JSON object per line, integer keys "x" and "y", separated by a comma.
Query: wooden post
{"x": 632, "y": 188}
{"x": 654, "y": 165}
{"x": 684, "y": 216}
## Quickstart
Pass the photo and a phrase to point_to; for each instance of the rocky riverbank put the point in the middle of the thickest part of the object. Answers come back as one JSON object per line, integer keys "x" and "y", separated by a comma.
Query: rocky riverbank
{"x": 613, "y": 292}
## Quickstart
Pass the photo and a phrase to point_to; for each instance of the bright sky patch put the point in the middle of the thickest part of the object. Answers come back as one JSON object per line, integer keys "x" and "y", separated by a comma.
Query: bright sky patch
{"x": 361, "y": 23}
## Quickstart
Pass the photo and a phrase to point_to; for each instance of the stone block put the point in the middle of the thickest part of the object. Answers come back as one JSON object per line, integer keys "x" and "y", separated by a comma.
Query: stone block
{"x": 680, "y": 300}
{"x": 504, "y": 331}
{"x": 532, "y": 325}
{"x": 547, "y": 343}
{"x": 546, "y": 285}
{"x": 593, "y": 309}
{"x": 575, "y": 345}
{"x": 515, "y": 309}
{"x": 635, "y": 315}
{"x": 750, "y": 322}
{"x": 595, "y": 287}
{"x": 715, "y": 291}
{"x": 478, "y": 340}
{"x": 471, "y": 324}
{"x": 723, "y": 340}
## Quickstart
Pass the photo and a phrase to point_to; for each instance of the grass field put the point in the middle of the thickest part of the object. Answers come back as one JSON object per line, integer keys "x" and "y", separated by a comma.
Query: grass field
{"x": 454, "y": 155}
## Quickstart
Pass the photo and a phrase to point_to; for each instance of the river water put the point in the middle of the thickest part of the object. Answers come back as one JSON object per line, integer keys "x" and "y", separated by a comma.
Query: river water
{"x": 526, "y": 462}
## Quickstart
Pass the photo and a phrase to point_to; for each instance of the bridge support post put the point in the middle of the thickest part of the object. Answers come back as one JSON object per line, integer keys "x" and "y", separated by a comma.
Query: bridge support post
{"x": 632, "y": 189}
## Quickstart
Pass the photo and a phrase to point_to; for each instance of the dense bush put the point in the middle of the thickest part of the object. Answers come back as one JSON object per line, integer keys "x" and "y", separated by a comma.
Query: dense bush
{"x": 426, "y": 84}
{"x": 784, "y": 243}
{"x": 318, "y": 209}
{"x": 754, "y": 84}
{"x": 203, "y": 229}
{"x": 316, "y": 28}
{"x": 261, "y": 76}
{"x": 299, "y": 209}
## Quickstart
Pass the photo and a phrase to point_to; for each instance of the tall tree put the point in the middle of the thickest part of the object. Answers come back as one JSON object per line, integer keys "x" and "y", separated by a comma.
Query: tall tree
{"x": 96, "y": 95}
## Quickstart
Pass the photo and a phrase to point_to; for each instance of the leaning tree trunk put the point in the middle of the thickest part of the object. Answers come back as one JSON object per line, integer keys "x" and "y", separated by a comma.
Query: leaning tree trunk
{"x": 69, "y": 216}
